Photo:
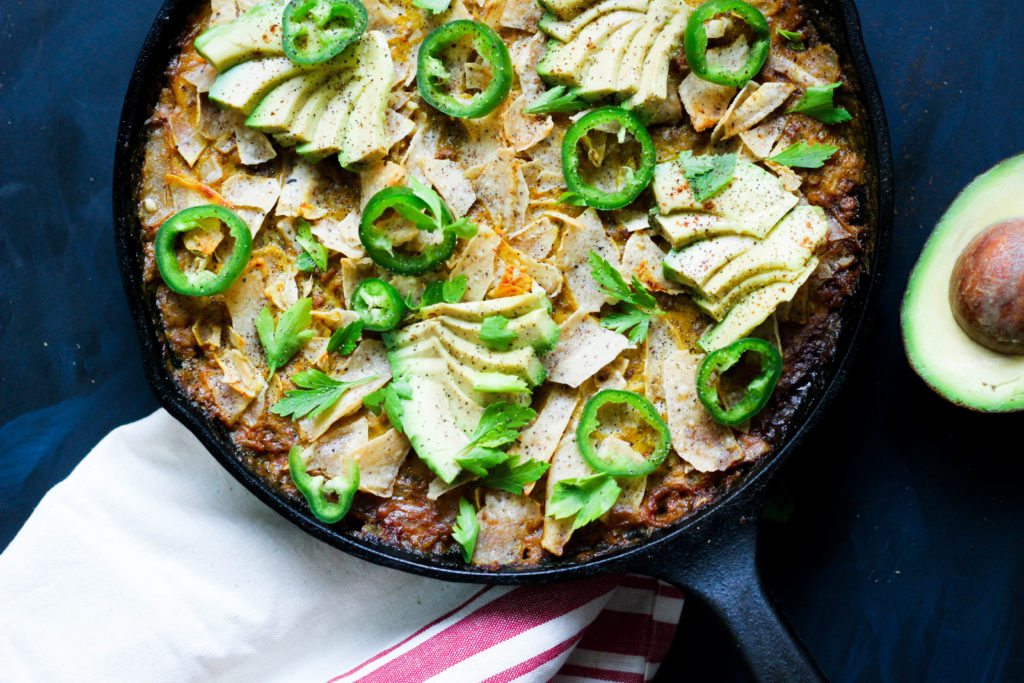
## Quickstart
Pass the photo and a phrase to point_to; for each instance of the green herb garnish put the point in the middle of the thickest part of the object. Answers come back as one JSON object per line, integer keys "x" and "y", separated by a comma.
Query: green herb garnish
{"x": 708, "y": 174}
{"x": 345, "y": 339}
{"x": 466, "y": 529}
{"x": 282, "y": 341}
{"x": 587, "y": 498}
{"x": 512, "y": 475}
{"x": 803, "y": 155}
{"x": 794, "y": 39}
{"x": 494, "y": 334}
{"x": 557, "y": 100}
{"x": 314, "y": 254}
{"x": 636, "y": 304}
{"x": 318, "y": 392}
{"x": 817, "y": 103}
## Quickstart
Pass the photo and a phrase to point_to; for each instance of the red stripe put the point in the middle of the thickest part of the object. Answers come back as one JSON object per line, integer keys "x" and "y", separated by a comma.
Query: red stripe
{"x": 624, "y": 633}
{"x": 600, "y": 674}
{"x": 643, "y": 582}
{"x": 534, "y": 663}
{"x": 432, "y": 624}
{"x": 513, "y": 613}
{"x": 662, "y": 635}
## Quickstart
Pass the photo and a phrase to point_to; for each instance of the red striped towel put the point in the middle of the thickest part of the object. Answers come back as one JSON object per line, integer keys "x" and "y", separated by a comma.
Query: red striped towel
{"x": 603, "y": 629}
{"x": 150, "y": 563}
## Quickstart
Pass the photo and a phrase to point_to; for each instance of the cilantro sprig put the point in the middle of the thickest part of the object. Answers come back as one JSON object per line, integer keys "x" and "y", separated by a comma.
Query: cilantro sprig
{"x": 345, "y": 339}
{"x": 803, "y": 155}
{"x": 466, "y": 529}
{"x": 559, "y": 99}
{"x": 436, "y": 220}
{"x": 318, "y": 392}
{"x": 314, "y": 254}
{"x": 512, "y": 475}
{"x": 708, "y": 174}
{"x": 817, "y": 103}
{"x": 499, "y": 426}
{"x": 636, "y": 304}
{"x": 587, "y": 498}
{"x": 494, "y": 333}
{"x": 283, "y": 340}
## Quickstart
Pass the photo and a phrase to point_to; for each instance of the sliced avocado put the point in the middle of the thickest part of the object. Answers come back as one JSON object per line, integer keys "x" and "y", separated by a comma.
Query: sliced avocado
{"x": 408, "y": 359}
{"x": 303, "y": 126}
{"x": 563, "y": 62}
{"x": 754, "y": 201}
{"x": 940, "y": 351}
{"x": 276, "y": 111}
{"x": 535, "y": 329}
{"x": 462, "y": 406}
{"x": 601, "y": 73}
{"x": 432, "y": 430}
{"x": 327, "y": 137}
{"x": 364, "y": 139}
{"x": 694, "y": 264}
{"x": 748, "y": 314}
{"x": 718, "y": 308}
{"x": 652, "y": 91}
{"x": 686, "y": 227}
{"x": 476, "y": 311}
{"x": 257, "y": 33}
{"x": 522, "y": 362}
{"x": 566, "y": 30}
{"x": 499, "y": 383}
{"x": 565, "y": 9}
{"x": 630, "y": 73}
{"x": 241, "y": 87}
{"x": 788, "y": 246}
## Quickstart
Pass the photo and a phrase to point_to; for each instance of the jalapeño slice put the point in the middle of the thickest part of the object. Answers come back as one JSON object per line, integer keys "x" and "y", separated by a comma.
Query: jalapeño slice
{"x": 695, "y": 42}
{"x": 431, "y": 74}
{"x": 377, "y": 242}
{"x": 636, "y": 180}
{"x": 314, "y": 31}
{"x": 201, "y": 282}
{"x": 757, "y": 392}
{"x": 615, "y": 464}
{"x": 379, "y": 305}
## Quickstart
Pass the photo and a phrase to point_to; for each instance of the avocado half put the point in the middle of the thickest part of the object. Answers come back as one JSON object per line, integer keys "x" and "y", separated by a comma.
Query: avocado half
{"x": 950, "y": 362}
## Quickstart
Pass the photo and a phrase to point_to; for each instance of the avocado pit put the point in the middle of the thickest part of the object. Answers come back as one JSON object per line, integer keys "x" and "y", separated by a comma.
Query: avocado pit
{"x": 986, "y": 289}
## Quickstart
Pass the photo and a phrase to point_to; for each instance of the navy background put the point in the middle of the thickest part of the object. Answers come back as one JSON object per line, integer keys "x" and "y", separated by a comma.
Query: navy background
{"x": 902, "y": 559}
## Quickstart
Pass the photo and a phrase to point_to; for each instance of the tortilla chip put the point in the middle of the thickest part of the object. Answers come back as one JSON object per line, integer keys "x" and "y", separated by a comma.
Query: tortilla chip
{"x": 521, "y": 14}
{"x": 761, "y": 139}
{"x": 376, "y": 177}
{"x": 763, "y": 101}
{"x": 506, "y": 521}
{"x": 544, "y": 274}
{"x": 524, "y": 130}
{"x": 240, "y": 374}
{"x": 354, "y": 271}
{"x": 254, "y": 147}
{"x": 536, "y": 238}
{"x": 567, "y": 463}
{"x": 578, "y": 239}
{"x": 699, "y": 440}
{"x": 340, "y": 236}
{"x": 643, "y": 258}
{"x": 662, "y": 341}
{"x": 583, "y": 348}
{"x": 245, "y": 299}
{"x": 369, "y": 359}
{"x": 540, "y": 438}
{"x": 478, "y": 264}
{"x": 334, "y": 449}
{"x": 379, "y": 461}
{"x": 397, "y": 127}
{"x": 297, "y": 189}
{"x": 451, "y": 183}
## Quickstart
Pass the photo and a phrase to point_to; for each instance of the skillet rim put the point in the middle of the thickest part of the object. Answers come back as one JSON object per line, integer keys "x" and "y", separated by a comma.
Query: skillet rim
{"x": 161, "y": 43}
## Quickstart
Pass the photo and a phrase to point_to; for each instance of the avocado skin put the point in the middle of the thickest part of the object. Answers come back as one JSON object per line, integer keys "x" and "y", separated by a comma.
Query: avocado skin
{"x": 947, "y": 359}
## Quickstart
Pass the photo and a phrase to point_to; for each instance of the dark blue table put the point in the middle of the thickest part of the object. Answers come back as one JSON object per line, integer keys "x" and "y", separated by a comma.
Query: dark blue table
{"x": 903, "y": 557}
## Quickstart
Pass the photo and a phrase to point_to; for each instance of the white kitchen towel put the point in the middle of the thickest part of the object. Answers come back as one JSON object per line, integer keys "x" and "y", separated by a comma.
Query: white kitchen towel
{"x": 151, "y": 563}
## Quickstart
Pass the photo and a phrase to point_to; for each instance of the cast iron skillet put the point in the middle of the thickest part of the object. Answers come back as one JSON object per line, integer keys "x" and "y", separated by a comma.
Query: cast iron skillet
{"x": 711, "y": 554}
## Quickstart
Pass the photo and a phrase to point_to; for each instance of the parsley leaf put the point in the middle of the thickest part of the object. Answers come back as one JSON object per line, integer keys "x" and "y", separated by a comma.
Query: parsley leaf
{"x": 345, "y": 339}
{"x": 557, "y": 99}
{"x": 462, "y": 227}
{"x": 817, "y": 103}
{"x": 500, "y": 425}
{"x": 314, "y": 254}
{"x": 466, "y": 529}
{"x": 513, "y": 475}
{"x": 794, "y": 39}
{"x": 708, "y": 174}
{"x": 572, "y": 199}
{"x": 588, "y": 498}
{"x": 637, "y": 305}
{"x": 284, "y": 340}
{"x": 494, "y": 334}
{"x": 432, "y": 6}
{"x": 318, "y": 393}
{"x": 802, "y": 155}
{"x": 441, "y": 291}
{"x": 479, "y": 459}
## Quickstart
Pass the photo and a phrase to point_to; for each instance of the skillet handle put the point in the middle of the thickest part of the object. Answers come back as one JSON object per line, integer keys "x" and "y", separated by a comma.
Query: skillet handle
{"x": 721, "y": 569}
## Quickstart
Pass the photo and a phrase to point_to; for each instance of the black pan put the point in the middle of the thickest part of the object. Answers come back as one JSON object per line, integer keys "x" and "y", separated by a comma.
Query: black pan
{"x": 710, "y": 554}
